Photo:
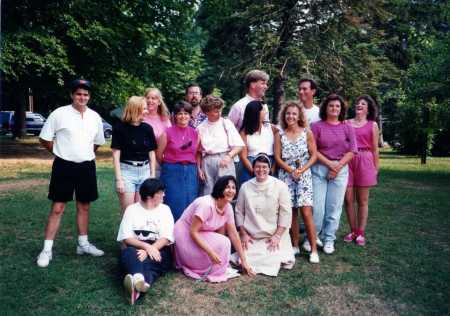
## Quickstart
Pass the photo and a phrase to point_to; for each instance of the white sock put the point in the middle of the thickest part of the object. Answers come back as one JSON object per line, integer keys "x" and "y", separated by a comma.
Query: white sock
{"x": 83, "y": 240}
{"x": 48, "y": 244}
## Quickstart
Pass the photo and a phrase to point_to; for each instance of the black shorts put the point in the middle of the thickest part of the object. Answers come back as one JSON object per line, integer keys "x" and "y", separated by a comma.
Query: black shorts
{"x": 69, "y": 177}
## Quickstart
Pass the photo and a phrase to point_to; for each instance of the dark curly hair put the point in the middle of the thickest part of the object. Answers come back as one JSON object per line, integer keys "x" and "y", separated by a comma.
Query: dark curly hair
{"x": 372, "y": 106}
{"x": 324, "y": 105}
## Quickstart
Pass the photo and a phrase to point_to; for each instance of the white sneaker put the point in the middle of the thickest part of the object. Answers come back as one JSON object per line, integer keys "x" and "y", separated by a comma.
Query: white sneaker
{"x": 314, "y": 257}
{"x": 89, "y": 249}
{"x": 306, "y": 246}
{"x": 328, "y": 248}
{"x": 139, "y": 283}
{"x": 44, "y": 258}
{"x": 319, "y": 243}
{"x": 296, "y": 251}
{"x": 231, "y": 273}
{"x": 128, "y": 283}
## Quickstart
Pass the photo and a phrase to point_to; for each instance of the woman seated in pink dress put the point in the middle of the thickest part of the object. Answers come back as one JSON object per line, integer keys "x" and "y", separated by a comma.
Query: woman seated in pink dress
{"x": 202, "y": 252}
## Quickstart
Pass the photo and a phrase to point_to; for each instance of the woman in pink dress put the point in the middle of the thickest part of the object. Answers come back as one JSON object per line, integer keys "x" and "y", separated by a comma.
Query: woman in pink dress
{"x": 363, "y": 168}
{"x": 201, "y": 251}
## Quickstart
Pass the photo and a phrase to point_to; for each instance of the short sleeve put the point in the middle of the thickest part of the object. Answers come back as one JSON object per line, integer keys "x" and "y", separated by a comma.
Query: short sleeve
{"x": 202, "y": 211}
{"x": 49, "y": 129}
{"x": 167, "y": 225}
{"x": 151, "y": 136}
{"x": 350, "y": 131}
{"x": 116, "y": 140}
{"x": 126, "y": 225}
{"x": 100, "y": 136}
{"x": 233, "y": 136}
{"x": 234, "y": 115}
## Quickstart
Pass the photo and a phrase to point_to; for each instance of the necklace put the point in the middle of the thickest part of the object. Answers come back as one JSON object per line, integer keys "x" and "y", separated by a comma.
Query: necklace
{"x": 218, "y": 210}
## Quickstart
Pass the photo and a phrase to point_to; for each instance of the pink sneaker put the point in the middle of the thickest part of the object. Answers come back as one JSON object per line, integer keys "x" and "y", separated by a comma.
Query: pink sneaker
{"x": 350, "y": 237}
{"x": 360, "y": 240}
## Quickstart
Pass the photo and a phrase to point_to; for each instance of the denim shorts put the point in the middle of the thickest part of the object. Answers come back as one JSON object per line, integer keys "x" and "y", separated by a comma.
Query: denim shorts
{"x": 133, "y": 176}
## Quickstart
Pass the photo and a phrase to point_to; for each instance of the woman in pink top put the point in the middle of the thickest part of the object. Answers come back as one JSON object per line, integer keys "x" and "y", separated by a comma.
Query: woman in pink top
{"x": 363, "y": 168}
{"x": 201, "y": 252}
{"x": 176, "y": 153}
{"x": 158, "y": 115}
{"x": 336, "y": 146}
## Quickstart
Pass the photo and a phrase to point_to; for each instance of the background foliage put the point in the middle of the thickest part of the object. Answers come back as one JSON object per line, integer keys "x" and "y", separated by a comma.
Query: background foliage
{"x": 395, "y": 50}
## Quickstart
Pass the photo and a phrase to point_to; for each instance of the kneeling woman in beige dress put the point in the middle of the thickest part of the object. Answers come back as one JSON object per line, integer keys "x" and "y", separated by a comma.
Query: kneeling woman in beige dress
{"x": 263, "y": 217}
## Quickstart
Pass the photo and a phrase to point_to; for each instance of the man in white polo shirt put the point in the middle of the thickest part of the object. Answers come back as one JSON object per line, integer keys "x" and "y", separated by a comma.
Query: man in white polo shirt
{"x": 72, "y": 133}
{"x": 256, "y": 84}
{"x": 306, "y": 90}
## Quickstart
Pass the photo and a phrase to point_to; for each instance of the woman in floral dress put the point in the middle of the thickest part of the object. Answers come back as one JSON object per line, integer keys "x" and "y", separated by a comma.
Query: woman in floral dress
{"x": 295, "y": 153}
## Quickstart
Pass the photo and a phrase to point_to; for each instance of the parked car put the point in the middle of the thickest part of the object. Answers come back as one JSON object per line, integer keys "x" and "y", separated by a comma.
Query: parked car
{"x": 107, "y": 129}
{"x": 33, "y": 122}
{"x": 6, "y": 117}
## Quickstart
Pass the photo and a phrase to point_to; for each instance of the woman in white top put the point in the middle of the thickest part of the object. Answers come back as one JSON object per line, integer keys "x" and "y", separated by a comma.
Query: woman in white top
{"x": 257, "y": 136}
{"x": 263, "y": 217}
{"x": 219, "y": 143}
{"x": 146, "y": 231}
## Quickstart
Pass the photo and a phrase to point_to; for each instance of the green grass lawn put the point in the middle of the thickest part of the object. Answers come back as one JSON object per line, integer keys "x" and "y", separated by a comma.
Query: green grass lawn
{"x": 404, "y": 269}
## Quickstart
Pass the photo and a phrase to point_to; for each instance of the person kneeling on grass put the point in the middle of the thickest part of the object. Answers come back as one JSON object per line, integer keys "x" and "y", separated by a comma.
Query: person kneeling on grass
{"x": 147, "y": 231}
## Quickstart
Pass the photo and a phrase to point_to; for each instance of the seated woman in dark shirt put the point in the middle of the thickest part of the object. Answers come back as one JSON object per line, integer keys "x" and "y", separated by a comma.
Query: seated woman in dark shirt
{"x": 133, "y": 146}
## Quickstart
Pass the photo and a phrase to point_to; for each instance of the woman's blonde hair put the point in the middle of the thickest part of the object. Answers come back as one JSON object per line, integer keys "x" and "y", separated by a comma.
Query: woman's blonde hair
{"x": 163, "y": 111}
{"x": 210, "y": 103}
{"x": 301, "y": 114}
{"x": 134, "y": 109}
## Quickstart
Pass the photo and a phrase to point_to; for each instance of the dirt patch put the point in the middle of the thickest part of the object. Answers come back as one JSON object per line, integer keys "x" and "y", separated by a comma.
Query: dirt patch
{"x": 348, "y": 300}
{"x": 21, "y": 184}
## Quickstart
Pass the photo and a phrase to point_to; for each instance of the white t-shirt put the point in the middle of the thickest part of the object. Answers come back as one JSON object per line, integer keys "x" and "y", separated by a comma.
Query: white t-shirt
{"x": 236, "y": 114}
{"x": 312, "y": 114}
{"x": 73, "y": 134}
{"x": 218, "y": 137}
{"x": 261, "y": 142}
{"x": 146, "y": 225}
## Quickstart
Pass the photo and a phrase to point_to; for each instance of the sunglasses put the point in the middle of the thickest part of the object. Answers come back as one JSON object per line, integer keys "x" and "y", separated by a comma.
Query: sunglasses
{"x": 187, "y": 145}
{"x": 144, "y": 233}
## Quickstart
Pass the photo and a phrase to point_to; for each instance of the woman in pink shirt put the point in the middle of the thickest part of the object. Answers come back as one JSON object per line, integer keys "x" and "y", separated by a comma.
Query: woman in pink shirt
{"x": 336, "y": 146}
{"x": 363, "y": 168}
{"x": 177, "y": 150}
{"x": 158, "y": 116}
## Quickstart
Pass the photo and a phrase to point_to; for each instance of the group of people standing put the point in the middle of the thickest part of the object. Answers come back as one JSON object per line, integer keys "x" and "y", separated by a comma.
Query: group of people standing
{"x": 177, "y": 177}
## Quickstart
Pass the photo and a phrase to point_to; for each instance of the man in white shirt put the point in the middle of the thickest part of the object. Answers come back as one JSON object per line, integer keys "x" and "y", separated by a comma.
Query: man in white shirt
{"x": 256, "y": 84}
{"x": 306, "y": 90}
{"x": 72, "y": 133}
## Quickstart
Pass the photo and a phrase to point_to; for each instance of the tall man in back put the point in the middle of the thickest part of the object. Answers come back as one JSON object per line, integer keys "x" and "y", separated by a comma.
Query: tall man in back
{"x": 307, "y": 89}
{"x": 72, "y": 133}
{"x": 256, "y": 84}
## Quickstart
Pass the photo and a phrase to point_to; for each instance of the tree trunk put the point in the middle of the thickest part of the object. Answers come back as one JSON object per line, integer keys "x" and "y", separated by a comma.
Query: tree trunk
{"x": 20, "y": 100}
{"x": 286, "y": 30}
{"x": 425, "y": 131}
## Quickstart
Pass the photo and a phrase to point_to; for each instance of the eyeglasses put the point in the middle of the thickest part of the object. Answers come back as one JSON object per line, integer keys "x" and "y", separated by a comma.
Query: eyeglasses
{"x": 187, "y": 145}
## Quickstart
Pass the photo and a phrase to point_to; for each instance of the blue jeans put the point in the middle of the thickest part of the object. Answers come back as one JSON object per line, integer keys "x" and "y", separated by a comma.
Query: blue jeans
{"x": 181, "y": 181}
{"x": 134, "y": 176}
{"x": 328, "y": 199}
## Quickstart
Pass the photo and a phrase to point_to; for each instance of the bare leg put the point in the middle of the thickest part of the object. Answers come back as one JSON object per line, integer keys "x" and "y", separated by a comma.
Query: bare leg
{"x": 82, "y": 217}
{"x": 362, "y": 196}
{"x": 350, "y": 209}
{"x": 295, "y": 232}
{"x": 126, "y": 199}
{"x": 310, "y": 227}
{"x": 137, "y": 197}
{"x": 54, "y": 220}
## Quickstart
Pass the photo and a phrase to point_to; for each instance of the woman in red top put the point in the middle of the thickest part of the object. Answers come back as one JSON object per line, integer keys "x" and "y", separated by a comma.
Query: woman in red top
{"x": 176, "y": 153}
